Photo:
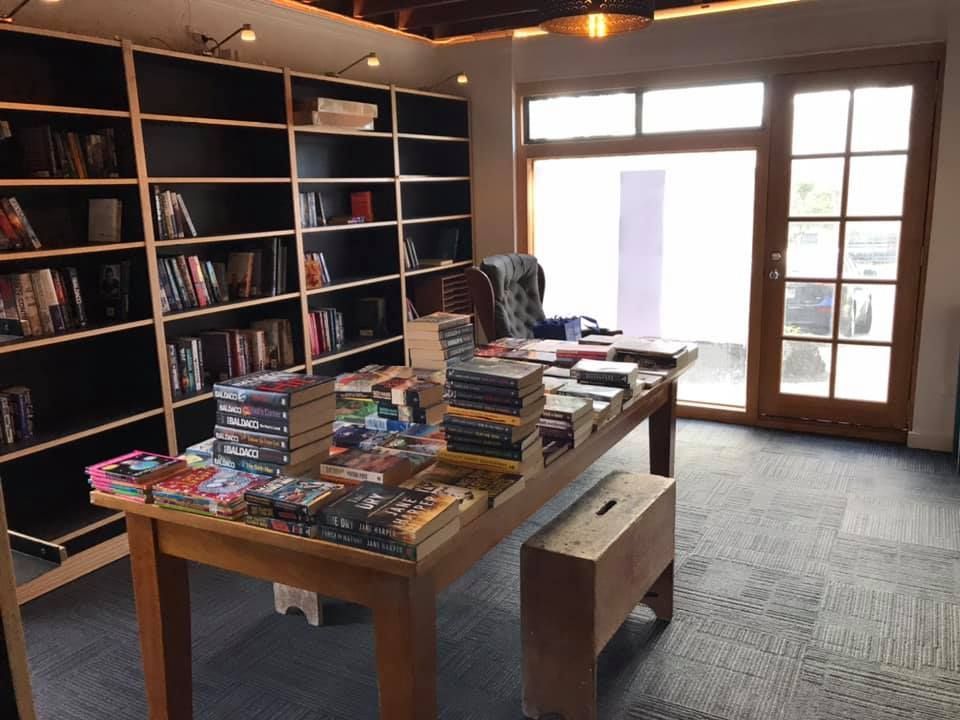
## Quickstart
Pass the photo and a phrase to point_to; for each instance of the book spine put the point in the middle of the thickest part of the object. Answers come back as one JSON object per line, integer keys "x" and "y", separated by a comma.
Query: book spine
{"x": 27, "y": 306}
{"x": 229, "y": 407}
{"x": 457, "y": 436}
{"x": 601, "y": 378}
{"x": 78, "y": 305}
{"x": 250, "y": 453}
{"x": 500, "y": 409}
{"x": 28, "y": 228}
{"x": 481, "y": 428}
{"x": 382, "y": 546}
{"x": 256, "y": 467}
{"x": 186, "y": 216}
{"x": 261, "y": 507}
{"x": 456, "y": 374}
{"x": 557, "y": 415}
{"x": 174, "y": 368}
{"x": 363, "y": 527}
{"x": 372, "y": 422}
{"x": 183, "y": 277}
{"x": 46, "y": 298}
{"x": 63, "y": 303}
{"x": 351, "y": 474}
{"x": 6, "y": 418}
{"x": 457, "y": 397}
{"x": 253, "y": 424}
{"x": 236, "y": 435}
{"x": 479, "y": 461}
{"x": 488, "y": 450}
{"x": 197, "y": 356}
{"x": 245, "y": 396}
{"x": 24, "y": 405}
{"x": 196, "y": 277}
{"x": 291, "y": 527}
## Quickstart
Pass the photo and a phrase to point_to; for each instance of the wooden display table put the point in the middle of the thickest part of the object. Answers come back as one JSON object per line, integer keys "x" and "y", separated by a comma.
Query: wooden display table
{"x": 401, "y": 594}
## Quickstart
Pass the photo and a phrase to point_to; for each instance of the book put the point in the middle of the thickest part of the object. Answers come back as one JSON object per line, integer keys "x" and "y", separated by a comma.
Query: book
{"x": 567, "y": 408}
{"x": 271, "y": 388}
{"x": 599, "y": 372}
{"x": 500, "y": 373}
{"x": 114, "y": 289}
{"x": 487, "y": 462}
{"x": 611, "y": 395}
{"x": 361, "y": 382}
{"x": 285, "y": 443}
{"x": 500, "y": 487}
{"x": 137, "y": 467}
{"x": 408, "y": 516}
{"x": 374, "y": 466}
{"x": 290, "y": 527}
{"x": 357, "y": 436}
{"x": 501, "y": 414}
{"x": 432, "y": 325}
{"x": 409, "y": 391}
{"x": 104, "y": 220}
{"x": 383, "y": 546}
{"x": 361, "y": 205}
{"x": 267, "y": 469}
{"x": 414, "y": 444}
{"x": 297, "y": 499}
{"x": 18, "y": 222}
{"x": 283, "y": 421}
{"x": 210, "y": 490}
{"x": 484, "y": 428}
{"x": 471, "y": 503}
{"x": 495, "y": 401}
{"x": 520, "y": 455}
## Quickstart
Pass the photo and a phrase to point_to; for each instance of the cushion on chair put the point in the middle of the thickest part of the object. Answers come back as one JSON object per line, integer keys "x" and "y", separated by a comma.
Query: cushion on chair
{"x": 516, "y": 291}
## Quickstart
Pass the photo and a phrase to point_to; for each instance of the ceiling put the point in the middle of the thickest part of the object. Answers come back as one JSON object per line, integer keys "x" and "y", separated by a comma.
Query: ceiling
{"x": 440, "y": 19}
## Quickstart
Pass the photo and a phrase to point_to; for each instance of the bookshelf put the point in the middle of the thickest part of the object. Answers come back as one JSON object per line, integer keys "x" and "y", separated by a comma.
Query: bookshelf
{"x": 223, "y": 136}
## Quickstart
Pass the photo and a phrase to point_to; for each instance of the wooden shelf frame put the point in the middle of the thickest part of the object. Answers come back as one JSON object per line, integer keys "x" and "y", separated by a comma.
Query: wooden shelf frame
{"x": 153, "y": 248}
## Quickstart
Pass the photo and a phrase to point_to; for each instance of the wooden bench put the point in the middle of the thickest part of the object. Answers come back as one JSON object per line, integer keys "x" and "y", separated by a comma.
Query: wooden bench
{"x": 581, "y": 576}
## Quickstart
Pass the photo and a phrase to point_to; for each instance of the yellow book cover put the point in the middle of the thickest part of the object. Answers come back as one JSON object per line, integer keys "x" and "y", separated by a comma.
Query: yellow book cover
{"x": 487, "y": 416}
{"x": 485, "y": 462}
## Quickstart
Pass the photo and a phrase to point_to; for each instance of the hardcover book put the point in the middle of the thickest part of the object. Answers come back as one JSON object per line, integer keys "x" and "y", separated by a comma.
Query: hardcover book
{"x": 274, "y": 388}
{"x": 373, "y": 466}
{"x": 408, "y": 516}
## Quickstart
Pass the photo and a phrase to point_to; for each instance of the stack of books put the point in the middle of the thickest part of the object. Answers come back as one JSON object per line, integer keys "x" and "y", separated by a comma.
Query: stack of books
{"x": 654, "y": 353}
{"x": 291, "y": 505}
{"x": 566, "y": 420}
{"x": 274, "y": 423}
{"x": 607, "y": 401}
{"x": 316, "y": 270}
{"x": 569, "y": 353}
{"x": 173, "y": 218}
{"x": 498, "y": 487}
{"x": 491, "y": 423}
{"x": 213, "y": 491}
{"x": 410, "y": 400}
{"x": 16, "y": 415}
{"x": 327, "y": 334}
{"x": 41, "y": 302}
{"x": 132, "y": 476}
{"x": 394, "y": 521}
{"x": 440, "y": 340}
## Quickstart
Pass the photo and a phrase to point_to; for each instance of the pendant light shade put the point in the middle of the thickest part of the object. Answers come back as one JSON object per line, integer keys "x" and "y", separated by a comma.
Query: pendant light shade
{"x": 596, "y": 18}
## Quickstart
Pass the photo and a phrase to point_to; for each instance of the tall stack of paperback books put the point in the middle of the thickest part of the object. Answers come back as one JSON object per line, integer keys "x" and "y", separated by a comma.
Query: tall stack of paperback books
{"x": 440, "y": 340}
{"x": 566, "y": 420}
{"x": 494, "y": 408}
{"x": 274, "y": 423}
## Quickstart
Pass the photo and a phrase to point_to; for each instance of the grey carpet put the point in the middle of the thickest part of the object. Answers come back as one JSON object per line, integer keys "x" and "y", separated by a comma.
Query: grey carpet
{"x": 818, "y": 579}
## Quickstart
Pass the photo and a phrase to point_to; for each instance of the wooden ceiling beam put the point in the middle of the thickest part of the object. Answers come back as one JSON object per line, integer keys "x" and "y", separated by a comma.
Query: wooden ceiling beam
{"x": 372, "y": 8}
{"x": 527, "y": 18}
{"x": 431, "y": 16}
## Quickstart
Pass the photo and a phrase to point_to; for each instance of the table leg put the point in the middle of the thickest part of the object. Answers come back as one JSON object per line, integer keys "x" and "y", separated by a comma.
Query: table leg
{"x": 163, "y": 610}
{"x": 663, "y": 436}
{"x": 660, "y": 596}
{"x": 405, "y": 626}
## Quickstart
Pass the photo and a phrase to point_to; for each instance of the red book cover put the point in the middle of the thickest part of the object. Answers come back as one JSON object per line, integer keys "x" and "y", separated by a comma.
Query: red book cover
{"x": 361, "y": 205}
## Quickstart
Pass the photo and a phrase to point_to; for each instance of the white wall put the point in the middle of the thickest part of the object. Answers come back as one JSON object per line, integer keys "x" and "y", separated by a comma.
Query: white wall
{"x": 285, "y": 37}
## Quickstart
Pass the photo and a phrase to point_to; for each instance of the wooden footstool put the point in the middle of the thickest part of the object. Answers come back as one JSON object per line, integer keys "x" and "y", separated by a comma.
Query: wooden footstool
{"x": 581, "y": 575}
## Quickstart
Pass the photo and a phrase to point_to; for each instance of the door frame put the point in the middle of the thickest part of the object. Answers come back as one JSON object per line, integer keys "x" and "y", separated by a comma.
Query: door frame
{"x": 758, "y": 139}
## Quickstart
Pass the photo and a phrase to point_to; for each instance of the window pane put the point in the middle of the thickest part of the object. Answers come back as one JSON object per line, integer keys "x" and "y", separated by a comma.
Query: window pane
{"x": 581, "y": 116}
{"x": 876, "y": 185}
{"x": 808, "y": 309}
{"x": 881, "y": 118}
{"x": 863, "y": 373}
{"x": 866, "y": 312}
{"x": 812, "y": 250}
{"x": 805, "y": 368}
{"x": 871, "y": 250}
{"x": 820, "y": 122}
{"x": 703, "y": 108}
{"x": 816, "y": 187}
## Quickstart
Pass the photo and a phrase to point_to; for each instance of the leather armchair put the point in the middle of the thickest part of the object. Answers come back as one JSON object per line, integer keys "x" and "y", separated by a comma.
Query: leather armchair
{"x": 507, "y": 293}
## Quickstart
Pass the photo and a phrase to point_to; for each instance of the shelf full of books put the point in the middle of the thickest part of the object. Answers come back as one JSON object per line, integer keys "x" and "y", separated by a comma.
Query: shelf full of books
{"x": 202, "y": 233}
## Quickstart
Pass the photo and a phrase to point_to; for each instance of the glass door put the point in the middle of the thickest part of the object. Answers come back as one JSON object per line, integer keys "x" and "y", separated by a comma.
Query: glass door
{"x": 849, "y": 174}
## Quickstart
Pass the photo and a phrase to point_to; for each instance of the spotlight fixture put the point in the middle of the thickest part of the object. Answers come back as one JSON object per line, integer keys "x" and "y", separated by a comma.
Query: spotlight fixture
{"x": 245, "y": 31}
{"x": 8, "y": 17}
{"x": 372, "y": 60}
{"x": 596, "y": 18}
{"x": 461, "y": 77}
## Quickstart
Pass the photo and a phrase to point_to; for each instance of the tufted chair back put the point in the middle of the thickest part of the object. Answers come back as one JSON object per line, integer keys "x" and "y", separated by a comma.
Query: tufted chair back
{"x": 508, "y": 292}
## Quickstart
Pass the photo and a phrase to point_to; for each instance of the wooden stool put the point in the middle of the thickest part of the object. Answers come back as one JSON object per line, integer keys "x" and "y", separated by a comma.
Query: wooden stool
{"x": 581, "y": 575}
{"x": 287, "y": 598}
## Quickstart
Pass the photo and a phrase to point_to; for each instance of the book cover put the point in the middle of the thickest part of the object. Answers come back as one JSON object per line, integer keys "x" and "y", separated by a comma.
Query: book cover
{"x": 361, "y": 382}
{"x": 434, "y": 323}
{"x": 401, "y": 514}
{"x": 137, "y": 467}
{"x": 568, "y": 408}
{"x": 302, "y": 497}
{"x": 214, "y": 487}
{"x": 472, "y": 503}
{"x": 499, "y": 486}
{"x": 501, "y": 414}
{"x": 272, "y": 388}
{"x": 357, "y": 436}
{"x": 494, "y": 371}
{"x": 372, "y": 466}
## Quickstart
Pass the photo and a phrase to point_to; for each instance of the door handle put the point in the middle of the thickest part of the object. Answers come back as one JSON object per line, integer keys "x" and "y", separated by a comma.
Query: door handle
{"x": 774, "y": 275}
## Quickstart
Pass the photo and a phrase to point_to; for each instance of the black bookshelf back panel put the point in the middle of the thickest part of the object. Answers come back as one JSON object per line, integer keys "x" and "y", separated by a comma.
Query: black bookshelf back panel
{"x": 102, "y": 277}
{"x": 451, "y": 239}
{"x": 60, "y": 216}
{"x": 434, "y": 157}
{"x": 241, "y": 318}
{"x": 183, "y": 150}
{"x": 23, "y": 153}
{"x": 233, "y": 208}
{"x": 337, "y": 202}
{"x": 306, "y": 90}
{"x": 348, "y": 302}
{"x": 176, "y": 86}
{"x": 87, "y": 382}
{"x": 344, "y": 156}
{"x": 195, "y": 423}
{"x": 425, "y": 115}
{"x": 356, "y": 254}
{"x": 47, "y": 494}
{"x": 435, "y": 199}
{"x": 54, "y": 71}
{"x": 391, "y": 354}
